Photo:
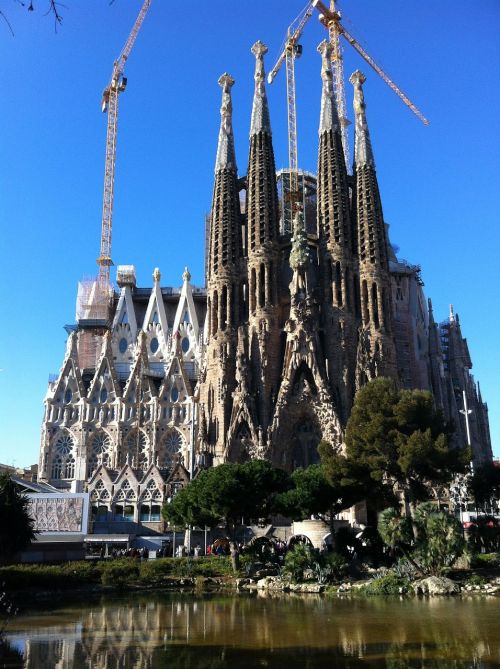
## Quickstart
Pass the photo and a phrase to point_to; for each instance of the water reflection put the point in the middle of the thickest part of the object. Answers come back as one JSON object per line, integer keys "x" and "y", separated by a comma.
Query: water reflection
{"x": 215, "y": 632}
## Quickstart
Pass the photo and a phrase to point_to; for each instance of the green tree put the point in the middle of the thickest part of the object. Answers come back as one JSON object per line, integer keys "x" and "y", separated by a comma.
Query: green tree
{"x": 436, "y": 544}
{"x": 16, "y": 525}
{"x": 228, "y": 493}
{"x": 484, "y": 485}
{"x": 397, "y": 440}
{"x": 297, "y": 560}
{"x": 311, "y": 494}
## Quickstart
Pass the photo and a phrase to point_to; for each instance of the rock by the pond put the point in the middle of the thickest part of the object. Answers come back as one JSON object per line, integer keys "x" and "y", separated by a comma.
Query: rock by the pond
{"x": 436, "y": 585}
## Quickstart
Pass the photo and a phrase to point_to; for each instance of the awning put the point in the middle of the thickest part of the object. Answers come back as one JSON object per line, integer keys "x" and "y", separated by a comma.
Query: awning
{"x": 108, "y": 538}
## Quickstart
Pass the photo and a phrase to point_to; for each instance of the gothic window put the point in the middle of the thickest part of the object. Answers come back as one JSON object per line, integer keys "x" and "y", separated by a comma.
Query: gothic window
{"x": 124, "y": 318}
{"x": 100, "y": 452}
{"x": 364, "y": 292}
{"x": 262, "y": 286}
{"x": 104, "y": 395}
{"x": 215, "y": 313}
{"x": 155, "y": 318}
{"x": 171, "y": 449}
{"x": 241, "y": 445}
{"x": 338, "y": 284}
{"x": 306, "y": 441}
{"x": 253, "y": 281}
{"x": 185, "y": 344}
{"x": 68, "y": 395}
{"x": 223, "y": 308}
{"x": 123, "y": 345}
{"x": 136, "y": 448}
{"x": 154, "y": 345}
{"x": 375, "y": 306}
{"x": 63, "y": 464}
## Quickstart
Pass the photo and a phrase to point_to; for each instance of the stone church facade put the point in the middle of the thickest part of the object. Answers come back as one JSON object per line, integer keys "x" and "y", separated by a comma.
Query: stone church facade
{"x": 265, "y": 361}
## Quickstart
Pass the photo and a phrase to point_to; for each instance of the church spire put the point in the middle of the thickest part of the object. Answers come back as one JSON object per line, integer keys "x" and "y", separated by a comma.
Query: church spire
{"x": 223, "y": 282}
{"x": 329, "y": 118}
{"x": 338, "y": 278}
{"x": 225, "y": 149}
{"x": 225, "y": 225}
{"x": 260, "y": 109}
{"x": 363, "y": 153}
{"x": 262, "y": 248}
{"x": 376, "y": 351}
{"x": 372, "y": 238}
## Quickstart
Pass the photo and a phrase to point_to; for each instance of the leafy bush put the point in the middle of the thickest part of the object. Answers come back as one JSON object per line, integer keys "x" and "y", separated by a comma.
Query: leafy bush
{"x": 337, "y": 564}
{"x": 404, "y": 569}
{"x": 476, "y": 579}
{"x": 297, "y": 560}
{"x": 68, "y": 575}
{"x": 486, "y": 560}
{"x": 387, "y": 584}
{"x": 438, "y": 541}
{"x": 119, "y": 572}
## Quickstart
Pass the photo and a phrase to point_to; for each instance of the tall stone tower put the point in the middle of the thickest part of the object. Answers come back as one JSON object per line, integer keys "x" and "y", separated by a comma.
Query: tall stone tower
{"x": 224, "y": 273}
{"x": 338, "y": 276}
{"x": 263, "y": 251}
{"x": 376, "y": 349}
{"x": 258, "y": 357}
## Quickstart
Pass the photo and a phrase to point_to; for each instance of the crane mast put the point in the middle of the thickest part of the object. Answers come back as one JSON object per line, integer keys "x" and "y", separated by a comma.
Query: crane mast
{"x": 110, "y": 105}
{"x": 331, "y": 20}
{"x": 338, "y": 84}
{"x": 292, "y": 51}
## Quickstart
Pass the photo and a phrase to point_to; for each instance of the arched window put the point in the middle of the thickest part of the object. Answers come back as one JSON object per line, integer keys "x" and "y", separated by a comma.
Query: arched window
{"x": 171, "y": 449}
{"x": 99, "y": 452}
{"x": 63, "y": 464}
{"x": 136, "y": 447}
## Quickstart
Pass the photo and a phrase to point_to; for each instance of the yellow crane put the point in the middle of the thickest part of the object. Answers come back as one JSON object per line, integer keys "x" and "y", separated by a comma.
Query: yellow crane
{"x": 116, "y": 86}
{"x": 292, "y": 51}
{"x": 330, "y": 18}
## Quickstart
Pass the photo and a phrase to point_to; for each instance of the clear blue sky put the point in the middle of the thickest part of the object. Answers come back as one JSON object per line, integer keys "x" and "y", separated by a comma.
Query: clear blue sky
{"x": 439, "y": 184}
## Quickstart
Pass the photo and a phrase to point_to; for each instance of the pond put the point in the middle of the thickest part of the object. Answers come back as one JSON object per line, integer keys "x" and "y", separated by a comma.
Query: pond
{"x": 217, "y": 631}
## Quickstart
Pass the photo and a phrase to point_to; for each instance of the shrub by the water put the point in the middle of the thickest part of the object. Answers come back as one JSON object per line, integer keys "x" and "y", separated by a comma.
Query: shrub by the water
{"x": 297, "y": 560}
{"x": 110, "y": 572}
{"x": 388, "y": 584}
{"x": 119, "y": 572}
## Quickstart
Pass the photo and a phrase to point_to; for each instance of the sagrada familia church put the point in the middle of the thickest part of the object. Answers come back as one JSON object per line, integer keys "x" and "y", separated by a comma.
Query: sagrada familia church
{"x": 265, "y": 361}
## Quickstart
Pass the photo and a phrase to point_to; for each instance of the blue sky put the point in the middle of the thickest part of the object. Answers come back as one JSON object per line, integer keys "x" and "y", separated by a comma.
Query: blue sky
{"x": 439, "y": 184}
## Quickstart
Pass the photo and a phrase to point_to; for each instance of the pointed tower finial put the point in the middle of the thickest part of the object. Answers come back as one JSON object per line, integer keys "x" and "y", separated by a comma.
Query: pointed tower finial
{"x": 431, "y": 310}
{"x": 329, "y": 118}
{"x": 186, "y": 275}
{"x": 225, "y": 149}
{"x": 363, "y": 153}
{"x": 156, "y": 275}
{"x": 260, "y": 109}
{"x": 452, "y": 315}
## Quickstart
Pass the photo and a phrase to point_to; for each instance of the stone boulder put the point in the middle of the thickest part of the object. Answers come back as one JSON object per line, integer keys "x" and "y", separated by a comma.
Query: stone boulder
{"x": 436, "y": 585}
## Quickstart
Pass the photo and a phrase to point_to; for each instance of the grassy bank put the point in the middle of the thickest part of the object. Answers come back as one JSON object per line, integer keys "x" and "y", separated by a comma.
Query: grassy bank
{"x": 117, "y": 573}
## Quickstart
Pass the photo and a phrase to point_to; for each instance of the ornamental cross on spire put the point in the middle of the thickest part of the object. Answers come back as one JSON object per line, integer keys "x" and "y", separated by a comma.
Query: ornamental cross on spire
{"x": 260, "y": 109}
{"x": 363, "y": 147}
{"x": 329, "y": 118}
{"x": 225, "y": 149}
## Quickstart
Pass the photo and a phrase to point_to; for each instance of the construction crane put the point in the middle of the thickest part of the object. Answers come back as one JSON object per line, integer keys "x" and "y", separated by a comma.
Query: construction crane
{"x": 292, "y": 51}
{"x": 330, "y": 18}
{"x": 116, "y": 86}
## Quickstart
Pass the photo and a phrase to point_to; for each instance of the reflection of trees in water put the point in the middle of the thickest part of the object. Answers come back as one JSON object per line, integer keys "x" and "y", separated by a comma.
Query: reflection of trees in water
{"x": 143, "y": 633}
